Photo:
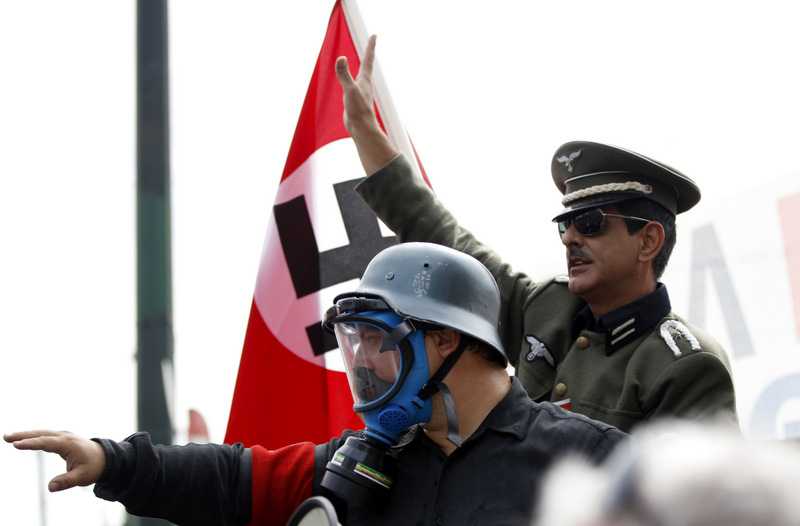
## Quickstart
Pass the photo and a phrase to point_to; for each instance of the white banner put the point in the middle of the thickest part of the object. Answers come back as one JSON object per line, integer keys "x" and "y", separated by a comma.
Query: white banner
{"x": 736, "y": 273}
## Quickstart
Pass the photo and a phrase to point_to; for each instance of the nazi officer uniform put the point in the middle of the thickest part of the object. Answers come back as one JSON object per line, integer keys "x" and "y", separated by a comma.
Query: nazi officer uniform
{"x": 637, "y": 363}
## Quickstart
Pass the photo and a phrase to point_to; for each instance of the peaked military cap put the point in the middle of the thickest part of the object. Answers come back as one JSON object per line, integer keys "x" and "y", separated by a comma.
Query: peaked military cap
{"x": 591, "y": 174}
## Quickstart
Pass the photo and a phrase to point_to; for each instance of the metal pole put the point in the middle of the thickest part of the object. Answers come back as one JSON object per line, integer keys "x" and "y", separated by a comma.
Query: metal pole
{"x": 153, "y": 236}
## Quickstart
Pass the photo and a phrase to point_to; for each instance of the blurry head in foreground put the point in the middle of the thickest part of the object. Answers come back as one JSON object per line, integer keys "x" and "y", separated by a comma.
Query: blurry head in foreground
{"x": 679, "y": 475}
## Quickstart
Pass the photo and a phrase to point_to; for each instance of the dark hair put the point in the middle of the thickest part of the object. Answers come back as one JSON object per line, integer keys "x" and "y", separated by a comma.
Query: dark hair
{"x": 486, "y": 351}
{"x": 648, "y": 209}
{"x": 471, "y": 343}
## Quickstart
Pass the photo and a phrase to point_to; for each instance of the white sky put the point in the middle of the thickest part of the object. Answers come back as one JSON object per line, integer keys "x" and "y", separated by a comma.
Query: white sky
{"x": 487, "y": 90}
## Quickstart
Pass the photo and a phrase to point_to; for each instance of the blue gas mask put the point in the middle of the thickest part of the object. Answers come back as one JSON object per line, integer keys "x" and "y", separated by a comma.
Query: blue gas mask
{"x": 387, "y": 368}
{"x": 386, "y": 365}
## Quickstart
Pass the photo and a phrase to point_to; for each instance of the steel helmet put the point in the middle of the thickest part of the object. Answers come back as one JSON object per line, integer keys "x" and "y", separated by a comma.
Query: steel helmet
{"x": 436, "y": 285}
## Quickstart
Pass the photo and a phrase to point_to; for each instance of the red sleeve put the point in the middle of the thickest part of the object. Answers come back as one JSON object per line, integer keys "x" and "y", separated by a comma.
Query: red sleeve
{"x": 281, "y": 480}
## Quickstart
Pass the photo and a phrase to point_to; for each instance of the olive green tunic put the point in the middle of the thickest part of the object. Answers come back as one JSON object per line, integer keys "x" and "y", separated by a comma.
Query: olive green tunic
{"x": 669, "y": 368}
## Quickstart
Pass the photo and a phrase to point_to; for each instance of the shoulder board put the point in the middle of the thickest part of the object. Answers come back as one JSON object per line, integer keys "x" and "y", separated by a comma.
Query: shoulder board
{"x": 673, "y": 332}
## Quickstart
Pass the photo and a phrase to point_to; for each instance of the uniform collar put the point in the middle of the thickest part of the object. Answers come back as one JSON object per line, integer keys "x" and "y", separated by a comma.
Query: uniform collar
{"x": 628, "y": 322}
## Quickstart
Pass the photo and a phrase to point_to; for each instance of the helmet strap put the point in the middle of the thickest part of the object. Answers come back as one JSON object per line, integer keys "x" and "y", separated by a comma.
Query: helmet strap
{"x": 435, "y": 385}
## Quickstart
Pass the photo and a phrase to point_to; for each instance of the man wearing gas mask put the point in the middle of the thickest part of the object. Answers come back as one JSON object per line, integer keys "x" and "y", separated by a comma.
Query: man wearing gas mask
{"x": 449, "y": 438}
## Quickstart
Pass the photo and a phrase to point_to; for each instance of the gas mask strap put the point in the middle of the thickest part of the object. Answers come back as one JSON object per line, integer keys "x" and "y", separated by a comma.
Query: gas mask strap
{"x": 435, "y": 385}
{"x": 431, "y": 387}
{"x": 453, "y": 434}
{"x": 398, "y": 334}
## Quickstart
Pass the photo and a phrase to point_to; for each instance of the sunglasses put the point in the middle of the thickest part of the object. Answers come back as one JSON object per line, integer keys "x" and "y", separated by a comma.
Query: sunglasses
{"x": 590, "y": 223}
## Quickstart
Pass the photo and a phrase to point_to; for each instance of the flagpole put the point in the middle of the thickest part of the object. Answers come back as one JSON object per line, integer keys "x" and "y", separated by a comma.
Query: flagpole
{"x": 41, "y": 485}
{"x": 391, "y": 119}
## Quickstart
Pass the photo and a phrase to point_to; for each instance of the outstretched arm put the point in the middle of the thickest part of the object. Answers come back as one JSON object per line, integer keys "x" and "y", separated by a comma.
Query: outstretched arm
{"x": 85, "y": 458}
{"x": 374, "y": 148}
{"x": 192, "y": 485}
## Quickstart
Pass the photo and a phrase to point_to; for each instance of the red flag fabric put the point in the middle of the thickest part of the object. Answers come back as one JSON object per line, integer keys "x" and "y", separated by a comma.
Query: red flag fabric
{"x": 291, "y": 386}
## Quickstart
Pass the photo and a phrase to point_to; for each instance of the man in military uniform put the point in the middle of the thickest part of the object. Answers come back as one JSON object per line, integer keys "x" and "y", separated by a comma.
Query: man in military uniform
{"x": 603, "y": 340}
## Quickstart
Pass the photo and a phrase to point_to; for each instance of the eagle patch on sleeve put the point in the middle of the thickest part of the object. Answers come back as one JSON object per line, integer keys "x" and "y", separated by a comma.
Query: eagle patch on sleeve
{"x": 538, "y": 350}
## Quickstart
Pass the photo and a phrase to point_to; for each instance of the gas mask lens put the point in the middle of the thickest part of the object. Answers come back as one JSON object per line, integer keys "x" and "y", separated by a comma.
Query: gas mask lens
{"x": 372, "y": 361}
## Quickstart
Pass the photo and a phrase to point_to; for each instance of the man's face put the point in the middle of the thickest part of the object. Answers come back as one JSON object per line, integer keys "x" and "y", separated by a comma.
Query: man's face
{"x": 385, "y": 365}
{"x": 602, "y": 267}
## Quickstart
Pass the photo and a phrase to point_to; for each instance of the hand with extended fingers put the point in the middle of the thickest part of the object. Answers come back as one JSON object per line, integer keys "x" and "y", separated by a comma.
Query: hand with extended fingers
{"x": 360, "y": 120}
{"x": 85, "y": 458}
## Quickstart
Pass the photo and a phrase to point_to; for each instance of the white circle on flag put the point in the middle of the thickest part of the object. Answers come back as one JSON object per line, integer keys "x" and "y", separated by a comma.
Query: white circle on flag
{"x": 286, "y": 315}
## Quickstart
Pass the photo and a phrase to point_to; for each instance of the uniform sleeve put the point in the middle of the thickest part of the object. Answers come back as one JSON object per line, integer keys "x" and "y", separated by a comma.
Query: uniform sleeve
{"x": 195, "y": 484}
{"x": 697, "y": 386}
{"x": 282, "y": 480}
{"x": 401, "y": 199}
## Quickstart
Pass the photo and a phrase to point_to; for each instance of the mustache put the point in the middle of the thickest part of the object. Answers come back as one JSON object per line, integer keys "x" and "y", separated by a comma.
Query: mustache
{"x": 574, "y": 252}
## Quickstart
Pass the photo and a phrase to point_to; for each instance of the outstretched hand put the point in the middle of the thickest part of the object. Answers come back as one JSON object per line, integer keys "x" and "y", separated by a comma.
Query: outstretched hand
{"x": 360, "y": 119}
{"x": 85, "y": 458}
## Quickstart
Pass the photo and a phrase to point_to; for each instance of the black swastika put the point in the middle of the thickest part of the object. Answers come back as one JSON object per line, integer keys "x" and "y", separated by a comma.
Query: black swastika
{"x": 312, "y": 270}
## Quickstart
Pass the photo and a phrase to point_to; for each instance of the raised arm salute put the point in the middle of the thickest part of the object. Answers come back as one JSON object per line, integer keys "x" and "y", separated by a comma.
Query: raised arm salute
{"x": 601, "y": 340}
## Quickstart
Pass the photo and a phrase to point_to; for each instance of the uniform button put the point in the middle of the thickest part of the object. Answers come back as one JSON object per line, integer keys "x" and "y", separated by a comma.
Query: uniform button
{"x": 583, "y": 342}
{"x": 561, "y": 389}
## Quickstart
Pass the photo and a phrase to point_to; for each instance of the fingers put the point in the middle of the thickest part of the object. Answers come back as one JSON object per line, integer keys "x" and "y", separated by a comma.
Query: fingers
{"x": 38, "y": 440}
{"x": 42, "y": 440}
{"x": 365, "y": 72}
{"x": 368, "y": 62}
{"x": 60, "y": 483}
{"x": 343, "y": 73}
{"x": 81, "y": 475}
{"x": 19, "y": 435}
{"x": 85, "y": 458}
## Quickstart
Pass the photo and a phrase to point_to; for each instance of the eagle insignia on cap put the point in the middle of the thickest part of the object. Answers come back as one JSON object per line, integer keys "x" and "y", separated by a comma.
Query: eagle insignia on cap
{"x": 567, "y": 160}
{"x": 608, "y": 174}
{"x": 538, "y": 350}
